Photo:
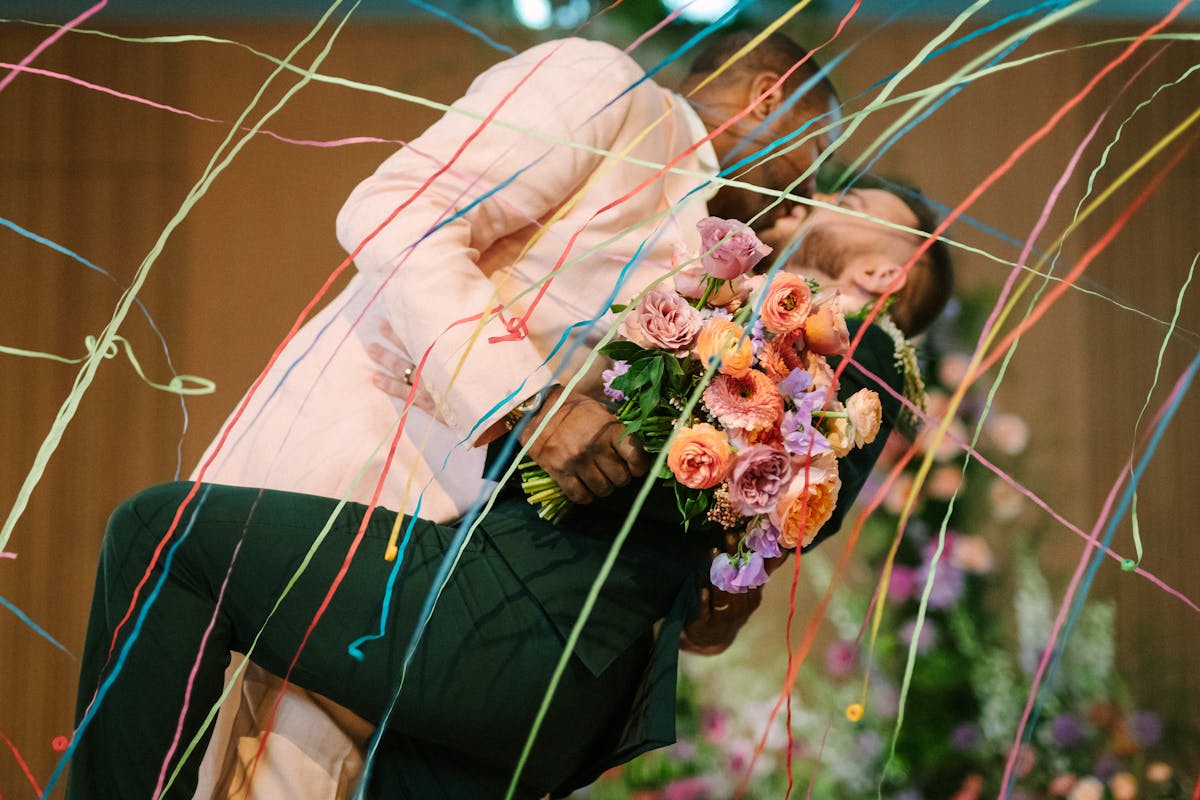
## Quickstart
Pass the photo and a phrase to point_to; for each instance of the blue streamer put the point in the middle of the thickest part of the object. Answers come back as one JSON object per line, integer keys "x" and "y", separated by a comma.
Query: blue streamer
{"x": 21, "y": 615}
{"x": 90, "y": 714}
{"x": 464, "y": 25}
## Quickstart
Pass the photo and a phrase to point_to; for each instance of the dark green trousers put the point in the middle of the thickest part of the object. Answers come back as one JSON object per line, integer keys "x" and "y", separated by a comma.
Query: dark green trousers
{"x": 468, "y": 700}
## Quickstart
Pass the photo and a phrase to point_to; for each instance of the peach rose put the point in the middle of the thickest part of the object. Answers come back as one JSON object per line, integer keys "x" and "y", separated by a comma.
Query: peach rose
{"x": 787, "y": 303}
{"x": 866, "y": 415}
{"x": 805, "y": 505}
{"x": 825, "y": 331}
{"x": 700, "y": 456}
{"x": 723, "y": 337}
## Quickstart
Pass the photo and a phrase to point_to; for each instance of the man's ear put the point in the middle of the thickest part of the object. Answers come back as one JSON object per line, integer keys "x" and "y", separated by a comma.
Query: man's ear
{"x": 876, "y": 277}
{"x": 760, "y": 84}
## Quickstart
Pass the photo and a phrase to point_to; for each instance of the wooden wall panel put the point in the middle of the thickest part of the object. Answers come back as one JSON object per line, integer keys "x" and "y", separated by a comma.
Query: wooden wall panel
{"x": 103, "y": 177}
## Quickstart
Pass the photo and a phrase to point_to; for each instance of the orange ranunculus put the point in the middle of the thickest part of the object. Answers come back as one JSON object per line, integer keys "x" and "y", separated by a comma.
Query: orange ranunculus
{"x": 700, "y": 456}
{"x": 806, "y": 505}
{"x": 786, "y": 304}
{"x": 723, "y": 337}
{"x": 825, "y": 331}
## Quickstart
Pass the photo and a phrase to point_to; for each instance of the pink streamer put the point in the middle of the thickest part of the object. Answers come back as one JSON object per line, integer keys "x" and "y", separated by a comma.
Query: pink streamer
{"x": 49, "y": 40}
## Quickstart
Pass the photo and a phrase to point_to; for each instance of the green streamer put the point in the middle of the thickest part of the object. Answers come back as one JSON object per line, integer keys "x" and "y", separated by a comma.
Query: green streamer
{"x": 177, "y": 385}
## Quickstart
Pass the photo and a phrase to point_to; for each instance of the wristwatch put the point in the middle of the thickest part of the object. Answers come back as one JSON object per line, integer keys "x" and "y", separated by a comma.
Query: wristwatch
{"x": 530, "y": 405}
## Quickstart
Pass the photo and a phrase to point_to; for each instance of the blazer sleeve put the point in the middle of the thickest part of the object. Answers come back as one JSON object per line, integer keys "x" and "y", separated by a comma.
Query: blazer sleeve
{"x": 876, "y": 352}
{"x": 418, "y": 225}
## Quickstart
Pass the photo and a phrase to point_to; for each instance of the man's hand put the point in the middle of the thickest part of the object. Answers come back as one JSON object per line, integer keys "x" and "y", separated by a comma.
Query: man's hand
{"x": 394, "y": 376}
{"x": 584, "y": 448}
{"x": 723, "y": 614}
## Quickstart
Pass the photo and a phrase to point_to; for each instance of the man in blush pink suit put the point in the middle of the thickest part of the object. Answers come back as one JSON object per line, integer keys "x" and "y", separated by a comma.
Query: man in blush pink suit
{"x": 552, "y": 165}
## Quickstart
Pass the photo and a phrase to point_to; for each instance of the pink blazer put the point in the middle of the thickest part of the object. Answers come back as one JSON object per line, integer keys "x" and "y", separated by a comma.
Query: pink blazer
{"x": 550, "y": 166}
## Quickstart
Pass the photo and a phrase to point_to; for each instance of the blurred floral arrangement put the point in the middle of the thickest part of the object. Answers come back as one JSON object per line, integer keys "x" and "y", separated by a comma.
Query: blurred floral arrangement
{"x": 972, "y": 674}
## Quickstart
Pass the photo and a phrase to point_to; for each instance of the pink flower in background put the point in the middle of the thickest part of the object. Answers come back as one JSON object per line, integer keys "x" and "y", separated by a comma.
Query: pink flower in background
{"x": 751, "y": 402}
{"x": 663, "y": 320}
{"x": 840, "y": 658}
{"x": 1008, "y": 432}
{"x": 901, "y": 583}
{"x": 1061, "y": 784}
{"x": 693, "y": 788}
{"x": 953, "y": 368}
{"x": 759, "y": 474}
{"x": 786, "y": 304}
{"x": 1007, "y": 502}
{"x": 973, "y": 554}
{"x": 714, "y": 725}
{"x": 944, "y": 482}
{"x": 728, "y": 248}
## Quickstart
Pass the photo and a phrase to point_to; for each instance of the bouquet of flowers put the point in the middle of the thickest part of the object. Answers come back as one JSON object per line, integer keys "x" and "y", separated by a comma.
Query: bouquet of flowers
{"x": 758, "y": 453}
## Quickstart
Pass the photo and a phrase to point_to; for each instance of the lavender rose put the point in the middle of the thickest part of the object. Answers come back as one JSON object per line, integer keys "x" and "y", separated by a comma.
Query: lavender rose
{"x": 759, "y": 475}
{"x": 663, "y": 320}
{"x": 729, "y": 247}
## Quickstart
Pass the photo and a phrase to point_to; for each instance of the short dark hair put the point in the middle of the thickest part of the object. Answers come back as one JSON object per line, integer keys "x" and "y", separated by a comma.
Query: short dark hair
{"x": 775, "y": 53}
{"x": 930, "y": 282}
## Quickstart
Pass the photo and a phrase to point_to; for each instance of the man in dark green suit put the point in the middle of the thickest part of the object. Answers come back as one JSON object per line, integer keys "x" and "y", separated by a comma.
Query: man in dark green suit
{"x": 481, "y": 666}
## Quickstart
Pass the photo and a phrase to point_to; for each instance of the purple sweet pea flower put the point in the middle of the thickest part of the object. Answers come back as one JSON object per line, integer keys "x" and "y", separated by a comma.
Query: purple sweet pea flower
{"x": 619, "y": 368}
{"x": 796, "y": 383}
{"x": 722, "y": 572}
{"x": 800, "y": 438}
{"x": 763, "y": 538}
{"x": 714, "y": 724}
{"x": 757, "y": 342}
{"x": 751, "y": 574}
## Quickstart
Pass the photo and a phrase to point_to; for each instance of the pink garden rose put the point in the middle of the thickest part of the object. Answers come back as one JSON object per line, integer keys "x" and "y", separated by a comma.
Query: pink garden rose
{"x": 692, "y": 280}
{"x": 786, "y": 304}
{"x": 728, "y": 248}
{"x": 759, "y": 474}
{"x": 662, "y": 320}
{"x": 700, "y": 456}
